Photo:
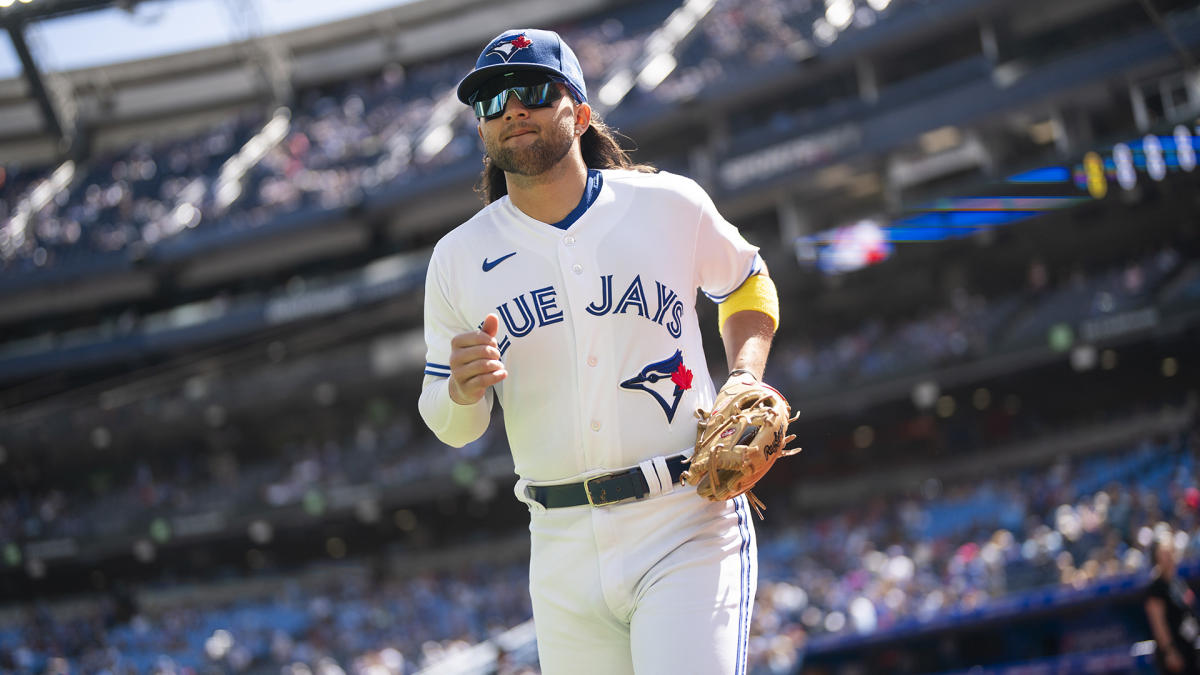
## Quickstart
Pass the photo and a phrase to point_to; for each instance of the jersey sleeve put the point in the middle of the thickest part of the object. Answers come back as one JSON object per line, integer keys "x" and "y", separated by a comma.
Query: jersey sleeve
{"x": 724, "y": 259}
{"x": 452, "y": 423}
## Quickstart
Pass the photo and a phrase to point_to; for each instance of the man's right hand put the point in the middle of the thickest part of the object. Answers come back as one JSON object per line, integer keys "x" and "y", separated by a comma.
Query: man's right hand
{"x": 475, "y": 362}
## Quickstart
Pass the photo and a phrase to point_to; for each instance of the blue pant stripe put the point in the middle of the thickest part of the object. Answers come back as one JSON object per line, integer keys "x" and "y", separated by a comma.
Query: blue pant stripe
{"x": 744, "y": 599}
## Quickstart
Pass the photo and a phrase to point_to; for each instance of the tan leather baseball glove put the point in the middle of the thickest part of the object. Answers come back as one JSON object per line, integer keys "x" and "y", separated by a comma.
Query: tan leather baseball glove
{"x": 739, "y": 441}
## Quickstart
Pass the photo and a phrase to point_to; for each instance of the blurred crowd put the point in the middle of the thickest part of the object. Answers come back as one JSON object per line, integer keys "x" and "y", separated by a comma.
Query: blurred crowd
{"x": 348, "y": 140}
{"x": 945, "y": 549}
{"x": 386, "y": 449}
{"x": 369, "y": 625}
{"x": 955, "y": 548}
{"x": 948, "y": 548}
{"x": 973, "y": 325}
{"x": 386, "y": 455}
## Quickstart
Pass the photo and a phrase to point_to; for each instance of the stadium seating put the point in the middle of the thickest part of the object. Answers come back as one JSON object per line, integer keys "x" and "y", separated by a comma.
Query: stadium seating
{"x": 890, "y": 566}
{"x": 974, "y": 328}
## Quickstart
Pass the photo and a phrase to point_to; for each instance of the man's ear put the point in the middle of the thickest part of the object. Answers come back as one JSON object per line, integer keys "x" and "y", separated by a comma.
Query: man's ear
{"x": 583, "y": 118}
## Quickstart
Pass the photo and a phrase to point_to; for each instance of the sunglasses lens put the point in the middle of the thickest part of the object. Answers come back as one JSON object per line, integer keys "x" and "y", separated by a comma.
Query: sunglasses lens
{"x": 535, "y": 96}
{"x": 489, "y": 103}
{"x": 491, "y": 107}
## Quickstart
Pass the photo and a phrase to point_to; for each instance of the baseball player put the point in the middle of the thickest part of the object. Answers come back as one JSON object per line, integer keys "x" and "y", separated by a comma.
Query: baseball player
{"x": 570, "y": 298}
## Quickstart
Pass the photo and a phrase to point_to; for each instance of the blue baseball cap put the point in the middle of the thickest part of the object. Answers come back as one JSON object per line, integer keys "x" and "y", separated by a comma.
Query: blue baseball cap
{"x": 526, "y": 49}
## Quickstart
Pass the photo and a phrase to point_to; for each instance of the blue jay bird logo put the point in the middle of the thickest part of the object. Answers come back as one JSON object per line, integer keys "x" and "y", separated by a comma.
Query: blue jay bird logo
{"x": 506, "y": 49}
{"x": 668, "y": 369}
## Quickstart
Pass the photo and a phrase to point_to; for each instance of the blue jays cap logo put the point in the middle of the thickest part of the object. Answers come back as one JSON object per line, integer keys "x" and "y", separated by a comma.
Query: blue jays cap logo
{"x": 525, "y": 49}
{"x": 508, "y": 47}
{"x": 670, "y": 369}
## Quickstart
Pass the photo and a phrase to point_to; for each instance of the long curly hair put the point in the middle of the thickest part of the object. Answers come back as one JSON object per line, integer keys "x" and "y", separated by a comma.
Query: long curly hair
{"x": 600, "y": 151}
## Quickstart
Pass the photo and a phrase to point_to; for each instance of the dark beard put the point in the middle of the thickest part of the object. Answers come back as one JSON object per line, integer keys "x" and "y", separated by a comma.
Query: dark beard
{"x": 536, "y": 158}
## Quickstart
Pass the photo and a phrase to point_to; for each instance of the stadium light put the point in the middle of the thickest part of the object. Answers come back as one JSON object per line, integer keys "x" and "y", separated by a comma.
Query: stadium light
{"x": 879, "y": 5}
{"x": 658, "y": 54}
{"x": 439, "y": 131}
{"x": 5, "y": 4}
{"x": 12, "y": 233}
{"x": 657, "y": 70}
{"x": 616, "y": 88}
{"x": 435, "y": 140}
{"x": 229, "y": 181}
{"x": 839, "y": 13}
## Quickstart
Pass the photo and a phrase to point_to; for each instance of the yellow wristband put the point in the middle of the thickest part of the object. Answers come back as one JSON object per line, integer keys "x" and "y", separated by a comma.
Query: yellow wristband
{"x": 756, "y": 293}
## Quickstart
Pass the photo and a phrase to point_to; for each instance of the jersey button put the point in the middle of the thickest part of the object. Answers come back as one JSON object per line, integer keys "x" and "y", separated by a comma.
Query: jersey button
{"x": 592, "y": 361}
{"x": 569, "y": 240}
{"x": 577, "y": 269}
{"x": 595, "y": 425}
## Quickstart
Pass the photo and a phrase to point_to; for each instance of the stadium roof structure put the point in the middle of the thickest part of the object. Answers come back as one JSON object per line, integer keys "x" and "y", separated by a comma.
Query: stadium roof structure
{"x": 19, "y": 13}
{"x": 39, "y": 109}
{"x": 17, "y": 16}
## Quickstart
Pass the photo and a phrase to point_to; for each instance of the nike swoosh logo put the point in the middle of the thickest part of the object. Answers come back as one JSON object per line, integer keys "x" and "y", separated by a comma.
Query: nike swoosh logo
{"x": 489, "y": 264}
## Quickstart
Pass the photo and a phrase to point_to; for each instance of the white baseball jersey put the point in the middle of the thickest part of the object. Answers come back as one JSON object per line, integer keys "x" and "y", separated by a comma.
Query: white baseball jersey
{"x": 598, "y": 328}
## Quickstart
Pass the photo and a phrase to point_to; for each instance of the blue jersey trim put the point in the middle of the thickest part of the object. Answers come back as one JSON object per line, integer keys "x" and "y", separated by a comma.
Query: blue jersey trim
{"x": 436, "y": 365}
{"x": 754, "y": 269}
{"x": 436, "y": 373}
{"x": 591, "y": 190}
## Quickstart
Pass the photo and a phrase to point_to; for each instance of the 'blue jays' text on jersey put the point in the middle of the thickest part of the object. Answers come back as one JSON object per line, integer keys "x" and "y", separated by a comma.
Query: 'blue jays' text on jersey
{"x": 598, "y": 325}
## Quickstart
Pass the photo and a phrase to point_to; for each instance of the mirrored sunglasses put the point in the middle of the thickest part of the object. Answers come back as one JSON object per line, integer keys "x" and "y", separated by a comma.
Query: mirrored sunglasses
{"x": 489, "y": 103}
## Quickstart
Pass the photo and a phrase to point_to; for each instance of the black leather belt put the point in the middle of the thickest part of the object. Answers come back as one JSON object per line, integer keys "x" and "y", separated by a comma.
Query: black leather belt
{"x": 602, "y": 490}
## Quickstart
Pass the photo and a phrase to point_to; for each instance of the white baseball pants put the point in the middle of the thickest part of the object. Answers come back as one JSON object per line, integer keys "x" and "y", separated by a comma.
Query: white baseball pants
{"x": 650, "y": 587}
